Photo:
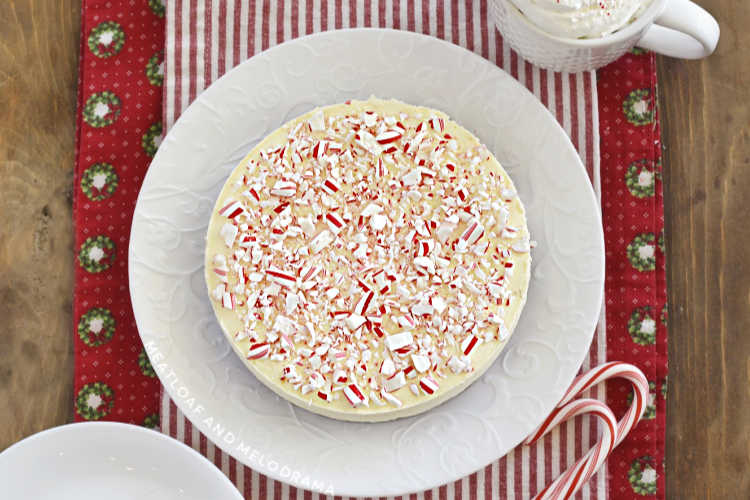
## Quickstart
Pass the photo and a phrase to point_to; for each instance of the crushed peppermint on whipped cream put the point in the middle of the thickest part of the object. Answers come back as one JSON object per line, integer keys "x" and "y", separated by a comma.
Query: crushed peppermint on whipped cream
{"x": 367, "y": 253}
{"x": 581, "y": 18}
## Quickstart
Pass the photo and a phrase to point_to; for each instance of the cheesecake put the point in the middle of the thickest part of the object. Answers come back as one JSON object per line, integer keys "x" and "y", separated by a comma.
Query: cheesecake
{"x": 368, "y": 260}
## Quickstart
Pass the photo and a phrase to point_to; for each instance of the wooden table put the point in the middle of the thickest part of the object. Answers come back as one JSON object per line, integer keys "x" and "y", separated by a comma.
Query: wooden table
{"x": 706, "y": 122}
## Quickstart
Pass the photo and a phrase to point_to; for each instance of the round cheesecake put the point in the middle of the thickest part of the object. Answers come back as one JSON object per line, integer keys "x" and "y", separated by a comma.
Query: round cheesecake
{"x": 368, "y": 260}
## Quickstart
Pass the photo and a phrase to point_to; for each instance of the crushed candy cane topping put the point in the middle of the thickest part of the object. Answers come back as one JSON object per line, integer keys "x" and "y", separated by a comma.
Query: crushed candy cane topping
{"x": 369, "y": 255}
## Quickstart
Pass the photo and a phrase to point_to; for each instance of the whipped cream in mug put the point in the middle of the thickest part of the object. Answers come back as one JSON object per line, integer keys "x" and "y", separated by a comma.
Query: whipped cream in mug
{"x": 581, "y": 18}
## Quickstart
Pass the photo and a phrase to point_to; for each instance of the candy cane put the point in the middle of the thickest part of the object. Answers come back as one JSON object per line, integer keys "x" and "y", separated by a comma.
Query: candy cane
{"x": 566, "y": 485}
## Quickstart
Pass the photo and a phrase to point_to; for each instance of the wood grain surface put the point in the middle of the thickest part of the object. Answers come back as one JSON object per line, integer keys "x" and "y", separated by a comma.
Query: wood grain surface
{"x": 38, "y": 74}
{"x": 705, "y": 108}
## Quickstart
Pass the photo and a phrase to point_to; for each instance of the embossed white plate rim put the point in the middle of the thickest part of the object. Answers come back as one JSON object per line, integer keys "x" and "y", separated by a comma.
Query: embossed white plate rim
{"x": 352, "y": 485}
{"x": 130, "y": 458}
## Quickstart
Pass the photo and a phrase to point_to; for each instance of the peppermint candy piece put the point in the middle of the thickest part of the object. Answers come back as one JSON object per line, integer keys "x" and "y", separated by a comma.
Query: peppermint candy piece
{"x": 421, "y": 363}
{"x": 391, "y": 398}
{"x": 429, "y": 385}
{"x": 280, "y": 277}
{"x": 322, "y": 240}
{"x": 354, "y": 396}
{"x": 258, "y": 351}
{"x": 389, "y": 136}
{"x": 284, "y": 189}
{"x": 232, "y": 209}
{"x": 364, "y": 303}
{"x": 399, "y": 340}
{"x": 394, "y": 382}
{"x": 229, "y": 232}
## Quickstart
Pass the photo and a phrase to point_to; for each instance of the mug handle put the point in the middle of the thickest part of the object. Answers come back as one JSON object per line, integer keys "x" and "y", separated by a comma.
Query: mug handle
{"x": 684, "y": 30}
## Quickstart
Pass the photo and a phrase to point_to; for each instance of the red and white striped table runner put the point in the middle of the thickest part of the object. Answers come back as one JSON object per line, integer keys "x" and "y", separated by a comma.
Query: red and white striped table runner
{"x": 206, "y": 38}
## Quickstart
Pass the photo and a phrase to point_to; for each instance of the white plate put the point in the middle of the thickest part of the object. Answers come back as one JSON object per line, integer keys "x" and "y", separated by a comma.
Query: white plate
{"x": 225, "y": 401}
{"x": 108, "y": 460}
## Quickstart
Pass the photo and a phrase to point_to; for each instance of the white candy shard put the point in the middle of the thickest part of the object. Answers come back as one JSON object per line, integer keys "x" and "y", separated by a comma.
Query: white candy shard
{"x": 399, "y": 340}
{"x": 391, "y": 398}
{"x": 387, "y": 368}
{"x": 284, "y": 325}
{"x": 227, "y": 301}
{"x": 317, "y": 121}
{"x": 370, "y": 118}
{"x": 375, "y": 399}
{"x": 438, "y": 303}
{"x": 292, "y": 301}
{"x": 502, "y": 331}
{"x": 394, "y": 382}
{"x": 411, "y": 178}
{"x": 422, "y": 308}
{"x": 371, "y": 209}
{"x": 307, "y": 225}
{"x": 378, "y": 222}
{"x": 228, "y": 232}
{"x": 421, "y": 363}
{"x": 509, "y": 232}
{"x": 456, "y": 365}
{"x": 322, "y": 240}
{"x": 444, "y": 231}
{"x": 354, "y": 321}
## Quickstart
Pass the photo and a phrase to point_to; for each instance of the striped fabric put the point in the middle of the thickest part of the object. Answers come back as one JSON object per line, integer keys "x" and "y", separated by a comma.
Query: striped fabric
{"x": 206, "y": 38}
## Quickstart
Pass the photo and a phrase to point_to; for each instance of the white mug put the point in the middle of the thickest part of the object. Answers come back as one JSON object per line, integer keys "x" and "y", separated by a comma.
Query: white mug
{"x": 676, "y": 28}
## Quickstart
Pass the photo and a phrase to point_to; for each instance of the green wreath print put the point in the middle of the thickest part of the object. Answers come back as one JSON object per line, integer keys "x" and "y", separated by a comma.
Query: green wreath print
{"x": 637, "y": 51}
{"x": 642, "y": 327}
{"x": 145, "y": 364}
{"x": 664, "y": 316}
{"x": 151, "y": 421}
{"x": 96, "y": 327}
{"x": 641, "y": 252}
{"x": 97, "y": 254}
{"x": 664, "y": 388}
{"x": 106, "y": 39}
{"x": 638, "y": 107}
{"x": 101, "y": 109}
{"x": 157, "y": 7}
{"x": 640, "y": 179}
{"x": 151, "y": 139}
{"x": 650, "y": 411}
{"x": 155, "y": 70}
{"x": 95, "y": 401}
{"x": 99, "y": 181}
{"x": 642, "y": 476}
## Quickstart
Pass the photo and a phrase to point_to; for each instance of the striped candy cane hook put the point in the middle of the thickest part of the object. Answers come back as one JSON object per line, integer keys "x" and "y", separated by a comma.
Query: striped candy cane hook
{"x": 613, "y": 433}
